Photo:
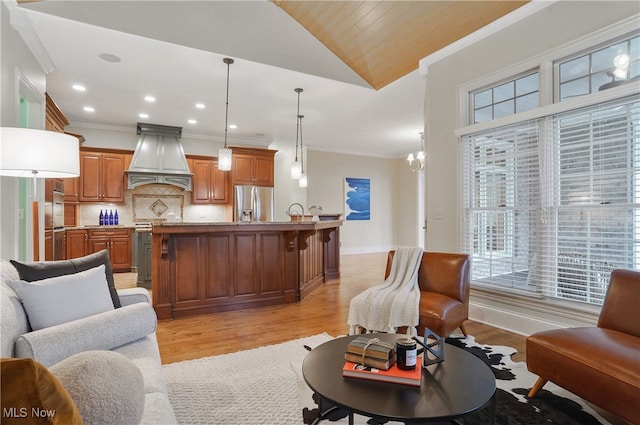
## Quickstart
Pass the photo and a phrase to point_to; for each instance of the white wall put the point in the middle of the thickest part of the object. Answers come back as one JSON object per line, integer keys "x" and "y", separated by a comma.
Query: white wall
{"x": 556, "y": 25}
{"x": 14, "y": 53}
{"x": 392, "y": 203}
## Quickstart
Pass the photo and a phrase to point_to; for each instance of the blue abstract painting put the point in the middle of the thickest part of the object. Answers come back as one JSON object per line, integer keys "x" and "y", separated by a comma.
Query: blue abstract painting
{"x": 357, "y": 193}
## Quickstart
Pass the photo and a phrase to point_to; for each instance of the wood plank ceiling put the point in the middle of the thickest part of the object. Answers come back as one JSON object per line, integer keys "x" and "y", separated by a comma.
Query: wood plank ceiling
{"x": 384, "y": 40}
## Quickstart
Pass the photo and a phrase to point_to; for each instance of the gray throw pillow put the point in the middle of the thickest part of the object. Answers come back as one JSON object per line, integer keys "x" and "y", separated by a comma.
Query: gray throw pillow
{"x": 31, "y": 272}
{"x": 106, "y": 386}
{"x": 62, "y": 299}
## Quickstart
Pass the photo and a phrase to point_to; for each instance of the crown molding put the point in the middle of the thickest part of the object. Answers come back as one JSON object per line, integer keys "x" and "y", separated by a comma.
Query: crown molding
{"x": 21, "y": 22}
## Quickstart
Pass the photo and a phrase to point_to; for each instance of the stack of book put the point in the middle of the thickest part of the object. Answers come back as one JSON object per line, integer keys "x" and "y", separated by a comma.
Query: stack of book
{"x": 371, "y": 352}
{"x": 376, "y": 360}
{"x": 394, "y": 374}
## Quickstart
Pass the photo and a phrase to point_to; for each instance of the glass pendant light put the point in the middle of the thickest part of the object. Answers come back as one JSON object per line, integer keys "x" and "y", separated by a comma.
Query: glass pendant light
{"x": 296, "y": 167}
{"x": 302, "y": 182}
{"x": 224, "y": 154}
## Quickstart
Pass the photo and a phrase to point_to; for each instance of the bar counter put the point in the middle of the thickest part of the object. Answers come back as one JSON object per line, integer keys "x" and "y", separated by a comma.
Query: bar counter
{"x": 200, "y": 268}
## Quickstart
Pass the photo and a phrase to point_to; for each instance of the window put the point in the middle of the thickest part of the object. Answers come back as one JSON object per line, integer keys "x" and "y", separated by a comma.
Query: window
{"x": 553, "y": 205}
{"x": 614, "y": 64}
{"x": 507, "y": 98}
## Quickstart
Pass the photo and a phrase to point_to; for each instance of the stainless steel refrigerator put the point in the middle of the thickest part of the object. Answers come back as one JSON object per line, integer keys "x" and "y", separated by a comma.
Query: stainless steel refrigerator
{"x": 252, "y": 203}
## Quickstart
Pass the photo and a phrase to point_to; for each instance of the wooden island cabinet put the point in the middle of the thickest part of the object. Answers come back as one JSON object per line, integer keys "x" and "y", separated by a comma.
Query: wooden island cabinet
{"x": 200, "y": 268}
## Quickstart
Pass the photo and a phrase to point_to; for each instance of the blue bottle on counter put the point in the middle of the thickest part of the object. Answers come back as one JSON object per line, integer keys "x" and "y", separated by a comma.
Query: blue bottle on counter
{"x": 115, "y": 218}
{"x": 110, "y": 217}
{"x": 101, "y": 219}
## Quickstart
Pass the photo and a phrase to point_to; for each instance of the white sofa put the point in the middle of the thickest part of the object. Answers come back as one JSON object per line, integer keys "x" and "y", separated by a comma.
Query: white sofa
{"x": 128, "y": 330}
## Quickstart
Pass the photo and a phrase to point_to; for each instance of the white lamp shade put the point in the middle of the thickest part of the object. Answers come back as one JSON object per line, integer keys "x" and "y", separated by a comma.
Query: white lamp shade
{"x": 302, "y": 182}
{"x": 25, "y": 152}
{"x": 296, "y": 170}
{"x": 224, "y": 159}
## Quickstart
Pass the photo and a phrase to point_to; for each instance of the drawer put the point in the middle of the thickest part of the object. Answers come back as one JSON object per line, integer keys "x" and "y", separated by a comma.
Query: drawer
{"x": 109, "y": 233}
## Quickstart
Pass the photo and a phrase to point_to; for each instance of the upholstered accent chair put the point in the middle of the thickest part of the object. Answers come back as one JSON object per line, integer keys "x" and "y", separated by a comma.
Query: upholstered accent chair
{"x": 599, "y": 363}
{"x": 444, "y": 291}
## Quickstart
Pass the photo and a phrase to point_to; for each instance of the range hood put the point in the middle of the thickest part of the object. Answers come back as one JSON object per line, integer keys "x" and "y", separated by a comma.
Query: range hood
{"x": 159, "y": 158}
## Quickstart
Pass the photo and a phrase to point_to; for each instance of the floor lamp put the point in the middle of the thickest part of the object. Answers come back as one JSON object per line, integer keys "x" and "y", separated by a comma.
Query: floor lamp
{"x": 26, "y": 152}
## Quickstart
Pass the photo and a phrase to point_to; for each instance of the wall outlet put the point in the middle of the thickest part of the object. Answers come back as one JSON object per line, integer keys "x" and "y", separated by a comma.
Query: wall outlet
{"x": 437, "y": 213}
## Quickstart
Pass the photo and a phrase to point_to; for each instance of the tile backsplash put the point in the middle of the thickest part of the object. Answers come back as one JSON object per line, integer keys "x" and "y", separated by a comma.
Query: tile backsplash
{"x": 153, "y": 202}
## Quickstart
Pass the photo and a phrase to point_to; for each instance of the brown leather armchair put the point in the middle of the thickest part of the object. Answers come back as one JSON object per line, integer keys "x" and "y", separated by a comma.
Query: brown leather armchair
{"x": 601, "y": 364}
{"x": 444, "y": 291}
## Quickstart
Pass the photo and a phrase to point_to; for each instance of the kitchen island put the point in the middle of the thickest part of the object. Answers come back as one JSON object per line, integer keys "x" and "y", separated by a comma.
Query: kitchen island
{"x": 200, "y": 268}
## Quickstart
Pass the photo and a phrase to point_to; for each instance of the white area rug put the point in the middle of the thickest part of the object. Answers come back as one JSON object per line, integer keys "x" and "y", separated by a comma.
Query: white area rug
{"x": 264, "y": 386}
{"x": 256, "y": 386}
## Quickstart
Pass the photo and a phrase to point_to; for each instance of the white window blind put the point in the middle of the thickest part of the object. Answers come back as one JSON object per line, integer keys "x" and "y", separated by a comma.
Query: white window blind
{"x": 551, "y": 206}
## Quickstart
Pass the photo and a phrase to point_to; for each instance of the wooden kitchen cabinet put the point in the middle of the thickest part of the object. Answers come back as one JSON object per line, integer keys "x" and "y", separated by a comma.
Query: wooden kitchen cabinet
{"x": 209, "y": 185}
{"x": 76, "y": 243}
{"x": 102, "y": 177}
{"x": 117, "y": 241}
{"x": 54, "y": 118}
{"x": 48, "y": 245}
{"x": 71, "y": 189}
{"x": 252, "y": 166}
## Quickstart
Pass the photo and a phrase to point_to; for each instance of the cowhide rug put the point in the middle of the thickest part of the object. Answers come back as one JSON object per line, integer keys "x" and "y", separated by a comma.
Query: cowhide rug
{"x": 552, "y": 405}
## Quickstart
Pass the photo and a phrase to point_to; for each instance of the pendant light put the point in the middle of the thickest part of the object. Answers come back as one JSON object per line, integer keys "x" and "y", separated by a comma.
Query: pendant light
{"x": 302, "y": 182}
{"x": 296, "y": 167}
{"x": 224, "y": 154}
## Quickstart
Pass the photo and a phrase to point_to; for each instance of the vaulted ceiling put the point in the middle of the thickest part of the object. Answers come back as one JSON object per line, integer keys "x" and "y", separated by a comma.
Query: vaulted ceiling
{"x": 384, "y": 40}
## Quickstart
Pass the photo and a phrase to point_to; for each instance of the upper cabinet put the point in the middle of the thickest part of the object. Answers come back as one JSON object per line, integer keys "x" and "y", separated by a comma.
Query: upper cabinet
{"x": 102, "y": 176}
{"x": 209, "y": 185}
{"x": 252, "y": 166}
{"x": 54, "y": 119}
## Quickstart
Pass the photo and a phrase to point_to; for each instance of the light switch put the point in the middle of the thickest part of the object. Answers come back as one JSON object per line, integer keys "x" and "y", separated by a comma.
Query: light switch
{"x": 437, "y": 213}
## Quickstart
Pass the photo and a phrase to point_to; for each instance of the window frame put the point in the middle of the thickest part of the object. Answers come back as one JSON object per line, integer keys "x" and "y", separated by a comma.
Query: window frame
{"x": 545, "y": 65}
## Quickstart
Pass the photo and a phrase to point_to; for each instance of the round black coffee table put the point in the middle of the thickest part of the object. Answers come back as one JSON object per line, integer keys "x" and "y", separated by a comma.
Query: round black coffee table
{"x": 460, "y": 385}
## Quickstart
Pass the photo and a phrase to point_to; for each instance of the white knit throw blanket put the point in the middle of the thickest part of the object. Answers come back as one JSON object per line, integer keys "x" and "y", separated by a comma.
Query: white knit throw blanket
{"x": 392, "y": 304}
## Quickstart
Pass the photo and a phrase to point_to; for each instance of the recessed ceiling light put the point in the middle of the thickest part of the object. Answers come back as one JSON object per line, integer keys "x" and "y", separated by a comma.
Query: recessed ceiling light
{"x": 150, "y": 99}
{"x": 200, "y": 105}
{"x": 88, "y": 109}
{"x": 233, "y": 126}
{"x": 192, "y": 121}
{"x": 79, "y": 87}
{"x": 143, "y": 115}
{"x": 109, "y": 57}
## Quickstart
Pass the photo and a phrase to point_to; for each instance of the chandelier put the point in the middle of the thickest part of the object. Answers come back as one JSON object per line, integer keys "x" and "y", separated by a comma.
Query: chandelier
{"x": 224, "y": 154}
{"x": 416, "y": 161}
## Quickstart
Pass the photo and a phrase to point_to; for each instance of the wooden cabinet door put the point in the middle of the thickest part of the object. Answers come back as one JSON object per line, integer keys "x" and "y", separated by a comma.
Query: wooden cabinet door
{"x": 113, "y": 178}
{"x": 120, "y": 254}
{"x": 209, "y": 185}
{"x": 242, "y": 169}
{"x": 48, "y": 245}
{"x": 71, "y": 189}
{"x": 102, "y": 177}
{"x": 263, "y": 168}
{"x": 219, "y": 185}
{"x": 201, "y": 181}
{"x": 76, "y": 243}
{"x": 90, "y": 175}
